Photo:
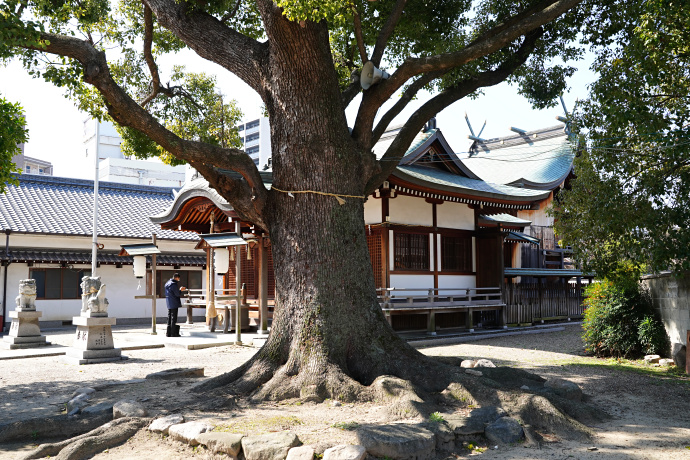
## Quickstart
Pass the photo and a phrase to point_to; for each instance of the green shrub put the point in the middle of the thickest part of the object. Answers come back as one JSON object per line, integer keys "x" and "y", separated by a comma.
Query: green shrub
{"x": 620, "y": 320}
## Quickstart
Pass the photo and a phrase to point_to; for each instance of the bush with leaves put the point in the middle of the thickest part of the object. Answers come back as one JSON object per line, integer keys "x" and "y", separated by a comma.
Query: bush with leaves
{"x": 620, "y": 320}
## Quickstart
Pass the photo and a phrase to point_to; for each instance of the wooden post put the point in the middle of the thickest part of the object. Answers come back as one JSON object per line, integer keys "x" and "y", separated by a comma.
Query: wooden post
{"x": 541, "y": 299}
{"x": 687, "y": 359}
{"x": 263, "y": 287}
{"x": 153, "y": 288}
{"x": 238, "y": 286}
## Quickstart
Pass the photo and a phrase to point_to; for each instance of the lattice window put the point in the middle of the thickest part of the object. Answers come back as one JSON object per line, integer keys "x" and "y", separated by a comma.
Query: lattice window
{"x": 456, "y": 252}
{"x": 375, "y": 247}
{"x": 411, "y": 251}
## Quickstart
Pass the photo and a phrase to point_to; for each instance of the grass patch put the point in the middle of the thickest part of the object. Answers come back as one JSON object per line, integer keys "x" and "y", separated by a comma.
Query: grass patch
{"x": 638, "y": 366}
{"x": 347, "y": 426}
{"x": 436, "y": 417}
{"x": 260, "y": 425}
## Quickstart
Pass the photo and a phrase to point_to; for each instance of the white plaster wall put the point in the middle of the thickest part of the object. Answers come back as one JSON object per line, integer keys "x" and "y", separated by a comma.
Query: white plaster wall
{"x": 454, "y": 215}
{"x": 410, "y": 210}
{"x": 456, "y": 281}
{"x": 372, "y": 211}
{"x": 121, "y": 287}
{"x": 424, "y": 282}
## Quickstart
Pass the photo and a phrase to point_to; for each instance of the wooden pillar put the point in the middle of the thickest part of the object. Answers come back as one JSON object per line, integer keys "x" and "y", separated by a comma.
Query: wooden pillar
{"x": 211, "y": 313}
{"x": 238, "y": 287}
{"x": 153, "y": 288}
{"x": 263, "y": 287}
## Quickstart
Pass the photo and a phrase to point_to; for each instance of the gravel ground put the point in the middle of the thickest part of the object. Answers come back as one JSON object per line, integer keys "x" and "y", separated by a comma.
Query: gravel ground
{"x": 651, "y": 413}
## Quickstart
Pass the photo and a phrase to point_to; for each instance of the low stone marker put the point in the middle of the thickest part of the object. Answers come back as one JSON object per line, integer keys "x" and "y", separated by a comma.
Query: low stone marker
{"x": 189, "y": 432}
{"x": 25, "y": 331}
{"x": 94, "y": 340}
{"x": 163, "y": 424}
{"x": 398, "y": 441}
{"x": 221, "y": 442}
{"x": 272, "y": 446}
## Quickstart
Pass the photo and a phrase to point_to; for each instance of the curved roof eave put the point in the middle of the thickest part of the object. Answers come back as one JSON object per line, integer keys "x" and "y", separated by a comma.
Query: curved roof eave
{"x": 497, "y": 196}
{"x": 541, "y": 185}
{"x": 197, "y": 188}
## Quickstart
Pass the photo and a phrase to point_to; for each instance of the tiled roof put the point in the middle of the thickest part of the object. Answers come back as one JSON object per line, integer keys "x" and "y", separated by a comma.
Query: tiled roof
{"x": 389, "y": 136}
{"x": 540, "y": 159}
{"x": 58, "y": 205}
{"x": 504, "y": 219}
{"x": 447, "y": 181}
{"x": 110, "y": 258}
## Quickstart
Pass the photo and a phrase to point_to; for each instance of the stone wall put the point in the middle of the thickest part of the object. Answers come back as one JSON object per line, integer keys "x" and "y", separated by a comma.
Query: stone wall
{"x": 671, "y": 297}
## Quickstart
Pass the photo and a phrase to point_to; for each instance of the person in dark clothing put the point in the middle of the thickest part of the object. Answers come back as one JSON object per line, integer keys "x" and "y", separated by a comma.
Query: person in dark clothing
{"x": 173, "y": 292}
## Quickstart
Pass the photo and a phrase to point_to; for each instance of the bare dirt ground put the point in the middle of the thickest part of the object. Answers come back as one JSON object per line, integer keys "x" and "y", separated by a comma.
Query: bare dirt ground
{"x": 650, "y": 411}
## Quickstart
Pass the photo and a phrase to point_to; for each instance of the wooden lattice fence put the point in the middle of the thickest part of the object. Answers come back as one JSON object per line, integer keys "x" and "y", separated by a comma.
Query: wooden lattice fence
{"x": 528, "y": 303}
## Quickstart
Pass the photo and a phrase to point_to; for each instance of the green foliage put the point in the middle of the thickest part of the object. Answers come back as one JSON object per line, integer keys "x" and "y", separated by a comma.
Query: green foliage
{"x": 436, "y": 417}
{"x": 620, "y": 322}
{"x": 347, "y": 426}
{"x": 629, "y": 201}
{"x": 12, "y": 133}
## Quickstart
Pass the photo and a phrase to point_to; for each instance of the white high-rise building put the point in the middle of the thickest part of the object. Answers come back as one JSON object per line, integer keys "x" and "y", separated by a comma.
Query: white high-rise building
{"x": 256, "y": 136}
{"x": 114, "y": 166}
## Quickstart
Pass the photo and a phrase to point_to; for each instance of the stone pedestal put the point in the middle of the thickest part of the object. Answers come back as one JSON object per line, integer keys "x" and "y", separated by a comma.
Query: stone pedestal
{"x": 93, "y": 342}
{"x": 24, "y": 330}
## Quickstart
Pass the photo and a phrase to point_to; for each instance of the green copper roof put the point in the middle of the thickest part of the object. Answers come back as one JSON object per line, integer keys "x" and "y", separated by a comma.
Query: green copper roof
{"x": 540, "y": 159}
{"x": 446, "y": 181}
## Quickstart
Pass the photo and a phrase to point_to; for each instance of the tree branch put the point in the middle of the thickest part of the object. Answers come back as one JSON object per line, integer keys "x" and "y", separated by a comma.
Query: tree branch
{"x": 359, "y": 37}
{"x": 386, "y": 32}
{"x": 231, "y": 14}
{"x": 249, "y": 193}
{"x": 352, "y": 89}
{"x": 400, "y": 144}
{"x": 399, "y": 106}
{"x": 213, "y": 40}
{"x": 148, "y": 55}
{"x": 490, "y": 42}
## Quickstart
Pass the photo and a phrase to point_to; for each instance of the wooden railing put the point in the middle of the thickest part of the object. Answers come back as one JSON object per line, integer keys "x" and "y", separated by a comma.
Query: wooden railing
{"x": 433, "y": 301}
{"x": 225, "y": 299}
{"x": 529, "y": 303}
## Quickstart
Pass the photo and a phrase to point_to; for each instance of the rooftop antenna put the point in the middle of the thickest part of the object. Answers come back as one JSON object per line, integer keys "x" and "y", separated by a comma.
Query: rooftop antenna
{"x": 472, "y": 136}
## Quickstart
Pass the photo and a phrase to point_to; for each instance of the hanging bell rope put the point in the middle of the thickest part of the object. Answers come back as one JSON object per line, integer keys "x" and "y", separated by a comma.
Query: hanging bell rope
{"x": 338, "y": 196}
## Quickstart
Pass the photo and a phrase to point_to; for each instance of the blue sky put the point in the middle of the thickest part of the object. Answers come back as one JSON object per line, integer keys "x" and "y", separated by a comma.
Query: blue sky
{"x": 56, "y": 126}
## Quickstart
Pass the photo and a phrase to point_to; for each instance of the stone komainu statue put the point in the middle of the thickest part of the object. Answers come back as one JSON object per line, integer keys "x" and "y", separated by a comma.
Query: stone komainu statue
{"x": 93, "y": 295}
{"x": 26, "y": 300}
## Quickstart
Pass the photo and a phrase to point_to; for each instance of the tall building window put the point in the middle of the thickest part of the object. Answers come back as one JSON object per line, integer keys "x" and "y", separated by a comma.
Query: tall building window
{"x": 456, "y": 253}
{"x": 58, "y": 283}
{"x": 411, "y": 251}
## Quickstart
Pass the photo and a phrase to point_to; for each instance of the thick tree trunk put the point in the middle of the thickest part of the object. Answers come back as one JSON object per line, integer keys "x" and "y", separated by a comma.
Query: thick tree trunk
{"x": 329, "y": 335}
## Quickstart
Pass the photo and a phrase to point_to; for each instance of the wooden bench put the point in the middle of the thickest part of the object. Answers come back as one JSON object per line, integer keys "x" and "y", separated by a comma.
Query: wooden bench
{"x": 395, "y": 301}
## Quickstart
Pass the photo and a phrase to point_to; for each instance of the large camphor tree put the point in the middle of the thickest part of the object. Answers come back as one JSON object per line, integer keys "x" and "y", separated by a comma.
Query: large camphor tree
{"x": 303, "y": 57}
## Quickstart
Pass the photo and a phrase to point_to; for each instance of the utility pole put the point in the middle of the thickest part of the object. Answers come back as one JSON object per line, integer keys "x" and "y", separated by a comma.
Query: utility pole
{"x": 94, "y": 238}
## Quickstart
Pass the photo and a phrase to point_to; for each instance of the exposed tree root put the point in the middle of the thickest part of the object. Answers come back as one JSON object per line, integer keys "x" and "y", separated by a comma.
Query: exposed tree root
{"x": 85, "y": 445}
{"x": 58, "y": 425}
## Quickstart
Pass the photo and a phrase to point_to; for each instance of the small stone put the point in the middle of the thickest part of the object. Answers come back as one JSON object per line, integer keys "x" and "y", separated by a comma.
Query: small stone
{"x": 473, "y": 372}
{"x": 524, "y": 387}
{"x": 220, "y": 442}
{"x": 76, "y": 404}
{"x": 162, "y": 424}
{"x": 476, "y": 422}
{"x": 189, "y": 432}
{"x": 336, "y": 404}
{"x": 592, "y": 448}
{"x": 468, "y": 363}
{"x": 398, "y": 441}
{"x": 651, "y": 359}
{"x": 665, "y": 362}
{"x": 564, "y": 388}
{"x": 345, "y": 452}
{"x": 128, "y": 408}
{"x": 272, "y": 446}
{"x": 301, "y": 453}
{"x": 505, "y": 430}
{"x": 483, "y": 363}
{"x": 84, "y": 391}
